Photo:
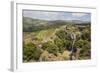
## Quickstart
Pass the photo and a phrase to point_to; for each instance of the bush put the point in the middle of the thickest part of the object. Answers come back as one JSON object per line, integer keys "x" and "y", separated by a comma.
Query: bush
{"x": 31, "y": 52}
{"x": 61, "y": 34}
{"x": 82, "y": 44}
{"x": 66, "y": 55}
{"x": 63, "y": 40}
{"x": 60, "y": 44}
{"x": 50, "y": 47}
{"x": 44, "y": 56}
{"x": 86, "y": 34}
{"x": 85, "y": 47}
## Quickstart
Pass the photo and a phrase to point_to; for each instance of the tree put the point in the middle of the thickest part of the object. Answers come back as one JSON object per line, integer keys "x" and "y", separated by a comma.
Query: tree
{"x": 62, "y": 34}
{"x": 50, "y": 47}
{"x": 60, "y": 44}
{"x": 86, "y": 34}
{"x": 31, "y": 52}
{"x": 64, "y": 40}
{"x": 85, "y": 47}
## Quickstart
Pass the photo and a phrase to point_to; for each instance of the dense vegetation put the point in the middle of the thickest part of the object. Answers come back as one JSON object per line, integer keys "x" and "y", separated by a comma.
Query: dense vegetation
{"x": 55, "y": 40}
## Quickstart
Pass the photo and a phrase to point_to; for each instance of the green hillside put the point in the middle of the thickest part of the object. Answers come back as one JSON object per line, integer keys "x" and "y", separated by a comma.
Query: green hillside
{"x": 55, "y": 40}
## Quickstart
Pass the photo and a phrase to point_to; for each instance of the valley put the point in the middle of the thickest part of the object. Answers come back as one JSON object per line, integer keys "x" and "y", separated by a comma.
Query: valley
{"x": 55, "y": 40}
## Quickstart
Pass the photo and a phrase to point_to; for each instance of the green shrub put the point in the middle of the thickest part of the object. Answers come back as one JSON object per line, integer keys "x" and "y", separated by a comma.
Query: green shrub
{"x": 50, "y": 47}
{"x": 86, "y": 34}
{"x": 60, "y": 44}
{"x": 61, "y": 34}
{"x": 63, "y": 41}
{"x": 85, "y": 47}
{"x": 31, "y": 52}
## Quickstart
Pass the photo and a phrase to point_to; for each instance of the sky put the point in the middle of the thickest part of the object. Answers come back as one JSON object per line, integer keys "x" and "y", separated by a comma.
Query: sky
{"x": 51, "y": 15}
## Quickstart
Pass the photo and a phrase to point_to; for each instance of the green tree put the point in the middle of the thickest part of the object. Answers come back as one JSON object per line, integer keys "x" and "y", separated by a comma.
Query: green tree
{"x": 31, "y": 52}
{"x": 86, "y": 34}
{"x": 60, "y": 44}
{"x": 50, "y": 47}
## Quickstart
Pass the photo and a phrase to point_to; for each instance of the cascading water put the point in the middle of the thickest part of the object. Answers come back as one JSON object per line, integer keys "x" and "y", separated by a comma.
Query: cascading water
{"x": 73, "y": 38}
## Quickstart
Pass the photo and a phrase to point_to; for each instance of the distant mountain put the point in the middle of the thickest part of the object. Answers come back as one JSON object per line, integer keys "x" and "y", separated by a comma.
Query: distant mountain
{"x": 30, "y": 24}
{"x": 79, "y": 21}
{"x": 35, "y": 22}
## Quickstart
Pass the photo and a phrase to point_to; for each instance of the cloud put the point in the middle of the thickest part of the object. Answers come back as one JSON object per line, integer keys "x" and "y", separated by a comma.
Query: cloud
{"x": 42, "y": 14}
{"x": 79, "y": 14}
{"x": 52, "y": 15}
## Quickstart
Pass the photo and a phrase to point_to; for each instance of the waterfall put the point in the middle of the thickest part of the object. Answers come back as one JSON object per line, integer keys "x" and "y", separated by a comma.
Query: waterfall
{"x": 73, "y": 37}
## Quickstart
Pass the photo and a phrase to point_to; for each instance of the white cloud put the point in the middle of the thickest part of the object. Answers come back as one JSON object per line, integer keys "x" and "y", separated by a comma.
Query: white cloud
{"x": 49, "y": 15}
{"x": 79, "y": 14}
{"x": 42, "y": 14}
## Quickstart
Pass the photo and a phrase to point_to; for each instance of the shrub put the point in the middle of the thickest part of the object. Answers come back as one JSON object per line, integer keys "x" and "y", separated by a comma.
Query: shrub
{"x": 44, "y": 56}
{"x": 63, "y": 40}
{"x": 85, "y": 47}
{"x": 61, "y": 34}
{"x": 86, "y": 34}
{"x": 60, "y": 44}
{"x": 31, "y": 52}
{"x": 50, "y": 47}
{"x": 66, "y": 55}
{"x": 79, "y": 43}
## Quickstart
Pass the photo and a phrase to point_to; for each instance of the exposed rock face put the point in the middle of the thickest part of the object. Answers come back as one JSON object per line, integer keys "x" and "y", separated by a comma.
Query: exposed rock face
{"x": 75, "y": 55}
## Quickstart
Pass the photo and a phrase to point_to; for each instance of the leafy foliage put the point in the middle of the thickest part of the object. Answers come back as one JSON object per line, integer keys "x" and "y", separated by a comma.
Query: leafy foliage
{"x": 31, "y": 52}
{"x": 50, "y": 47}
{"x": 52, "y": 40}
